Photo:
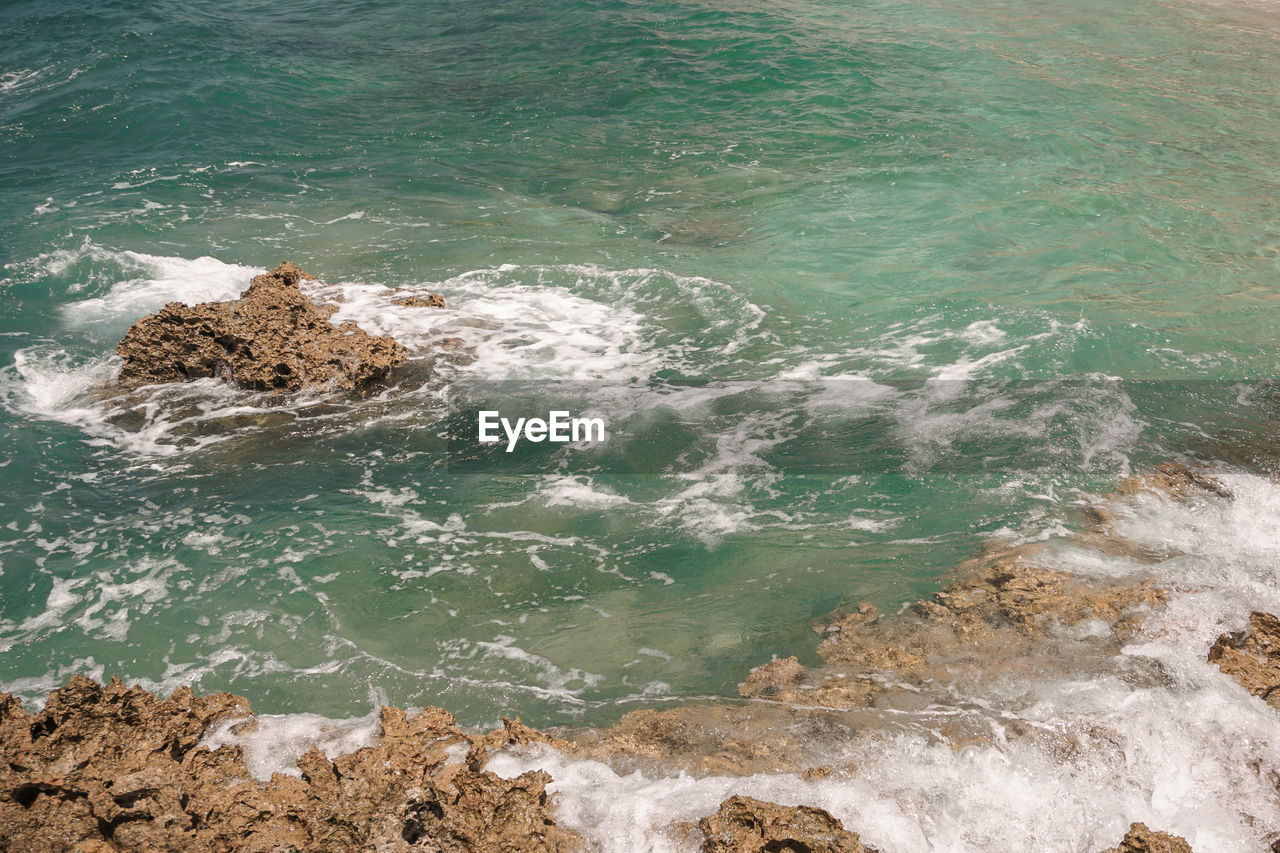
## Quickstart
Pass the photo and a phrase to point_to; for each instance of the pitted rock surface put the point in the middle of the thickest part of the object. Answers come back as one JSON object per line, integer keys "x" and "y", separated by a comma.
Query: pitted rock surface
{"x": 1252, "y": 656}
{"x": 113, "y": 768}
{"x": 1140, "y": 839}
{"x": 273, "y": 338}
{"x": 748, "y": 825}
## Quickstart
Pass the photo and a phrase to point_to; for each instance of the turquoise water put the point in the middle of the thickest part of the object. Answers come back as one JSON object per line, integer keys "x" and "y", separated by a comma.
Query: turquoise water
{"x": 919, "y": 273}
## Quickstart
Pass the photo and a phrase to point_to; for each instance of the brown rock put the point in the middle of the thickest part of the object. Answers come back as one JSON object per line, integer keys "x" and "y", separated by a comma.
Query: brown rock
{"x": 107, "y": 768}
{"x": 789, "y": 682}
{"x": 777, "y": 679}
{"x": 1139, "y": 839}
{"x": 512, "y": 733}
{"x": 1006, "y": 619}
{"x": 1003, "y": 605}
{"x": 747, "y": 825}
{"x": 714, "y": 740}
{"x": 481, "y": 811}
{"x": 114, "y": 768}
{"x": 273, "y": 338}
{"x": 1174, "y": 480}
{"x": 420, "y": 300}
{"x": 1252, "y": 656}
{"x": 98, "y": 762}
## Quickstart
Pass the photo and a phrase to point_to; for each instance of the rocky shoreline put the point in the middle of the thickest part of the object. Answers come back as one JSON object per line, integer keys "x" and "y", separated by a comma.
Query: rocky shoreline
{"x": 114, "y": 768}
{"x": 105, "y": 768}
{"x": 110, "y": 767}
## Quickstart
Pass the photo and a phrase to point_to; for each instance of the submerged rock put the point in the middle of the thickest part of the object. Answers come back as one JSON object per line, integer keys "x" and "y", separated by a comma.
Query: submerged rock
{"x": 748, "y": 825}
{"x": 273, "y": 338}
{"x": 708, "y": 740}
{"x": 1174, "y": 480}
{"x": 1139, "y": 839}
{"x": 107, "y": 768}
{"x": 1252, "y": 656}
{"x": 1169, "y": 481}
{"x": 1005, "y": 614}
{"x": 417, "y": 299}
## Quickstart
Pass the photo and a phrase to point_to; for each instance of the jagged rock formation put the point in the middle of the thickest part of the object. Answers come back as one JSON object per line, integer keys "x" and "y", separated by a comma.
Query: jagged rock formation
{"x": 1139, "y": 839}
{"x": 999, "y": 616}
{"x": 1252, "y": 656}
{"x": 113, "y": 768}
{"x": 273, "y": 338}
{"x": 748, "y": 825}
{"x": 104, "y": 769}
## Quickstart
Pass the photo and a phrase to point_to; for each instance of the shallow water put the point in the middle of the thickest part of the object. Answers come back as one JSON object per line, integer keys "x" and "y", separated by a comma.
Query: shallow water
{"x": 860, "y": 286}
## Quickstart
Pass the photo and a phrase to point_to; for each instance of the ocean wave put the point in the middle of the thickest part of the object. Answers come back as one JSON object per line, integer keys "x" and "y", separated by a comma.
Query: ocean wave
{"x": 1060, "y": 757}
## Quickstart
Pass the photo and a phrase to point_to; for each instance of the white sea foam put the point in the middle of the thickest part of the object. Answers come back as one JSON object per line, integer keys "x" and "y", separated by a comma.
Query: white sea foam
{"x": 923, "y": 343}
{"x": 152, "y": 282}
{"x": 33, "y": 691}
{"x": 19, "y": 77}
{"x": 571, "y": 322}
{"x": 62, "y": 597}
{"x": 578, "y": 492}
{"x": 1186, "y": 750}
{"x": 57, "y": 381}
{"x": 512, "y": 329}
{"x": 53, "y": 383}
{"x": 1189, "y": 752}
{"x": 566, "y": 681}
{"x": 273, "y": 743}
{"x": 716, "y": 501}
{"x": 1086, "y": 422}
{"x": 555, "y": 323}
{"x": 101, "y": 605}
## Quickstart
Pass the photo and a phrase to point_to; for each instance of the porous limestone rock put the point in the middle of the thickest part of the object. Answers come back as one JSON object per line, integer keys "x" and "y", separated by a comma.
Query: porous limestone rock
{"x": 273, "y": 338}
{"x": 748, "y": 825}
{"x": 112, "y": 768}
{"x": 418, "y": 299}
{"x": 1140, "y": 839}
{"x": 1252, "y": 656}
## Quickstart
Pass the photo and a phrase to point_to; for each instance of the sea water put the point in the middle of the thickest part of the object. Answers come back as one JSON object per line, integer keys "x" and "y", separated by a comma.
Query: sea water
{"x": 861, "y": 286}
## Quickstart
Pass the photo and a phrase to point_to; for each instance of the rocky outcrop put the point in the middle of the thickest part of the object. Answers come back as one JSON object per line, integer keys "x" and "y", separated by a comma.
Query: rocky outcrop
{"x": 113, "y": 768}
{"x": 1174, "y": 480}
{"x": 1169, "y": 481}
{"x": 100, "y": 764}
{"x": 1252, "y": 656}
{"x": 273, "y": 338}
{"x": 417, "y": 299}
{"x": 711, "y": 740}
{"x": 748, "y": 825}
{"x": 1139, "y": 839}
{"x": 512, "y": 734}
{"x": 999, "y": 617}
